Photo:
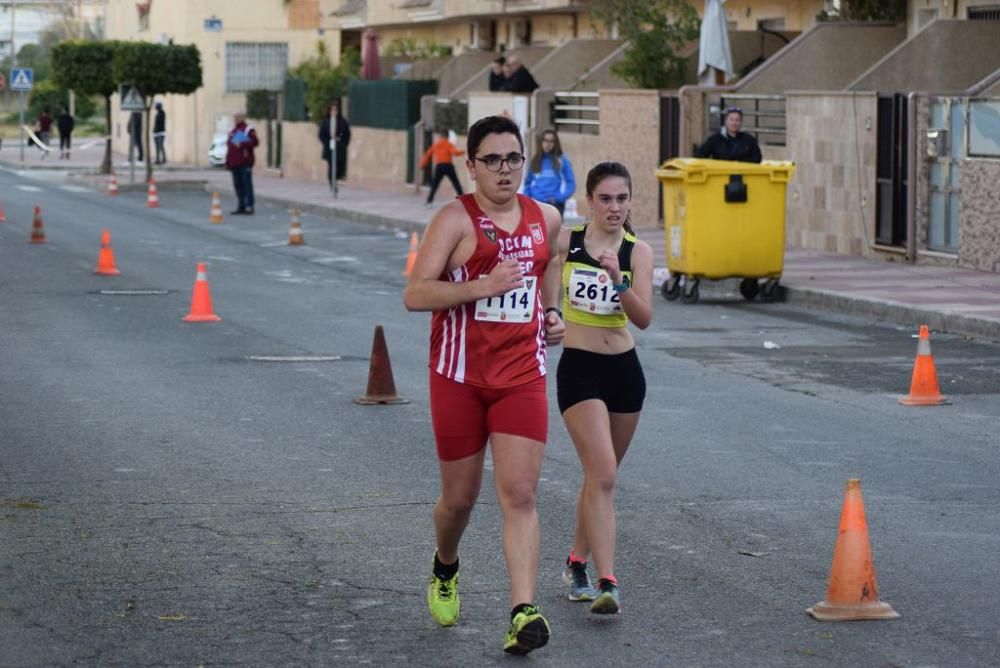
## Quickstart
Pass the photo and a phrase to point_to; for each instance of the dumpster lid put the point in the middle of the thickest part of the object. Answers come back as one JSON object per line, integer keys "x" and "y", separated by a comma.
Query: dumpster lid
{"x": 679, "y": 167}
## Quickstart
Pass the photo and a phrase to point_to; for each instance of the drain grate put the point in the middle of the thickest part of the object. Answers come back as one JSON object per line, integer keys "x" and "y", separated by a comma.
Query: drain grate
{"x": 295, "y": 358}
{"x": 132, "y": 293}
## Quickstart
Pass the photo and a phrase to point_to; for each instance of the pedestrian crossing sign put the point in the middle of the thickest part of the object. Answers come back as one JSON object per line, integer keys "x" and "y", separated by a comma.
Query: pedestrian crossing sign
{"x": 131, "y": 98}
{"x": 22, "y": 78}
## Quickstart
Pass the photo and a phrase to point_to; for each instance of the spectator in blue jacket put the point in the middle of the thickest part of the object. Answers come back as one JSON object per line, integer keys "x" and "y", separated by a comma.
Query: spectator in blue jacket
{"x": 550, "y": 175}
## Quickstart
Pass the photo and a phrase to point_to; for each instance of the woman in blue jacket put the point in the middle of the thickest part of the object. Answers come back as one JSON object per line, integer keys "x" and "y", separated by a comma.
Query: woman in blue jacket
{"x": 550, "y": 175}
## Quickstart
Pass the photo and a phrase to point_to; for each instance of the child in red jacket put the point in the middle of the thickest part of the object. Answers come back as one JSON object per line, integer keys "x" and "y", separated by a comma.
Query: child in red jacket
{"x": 442, "y": 151}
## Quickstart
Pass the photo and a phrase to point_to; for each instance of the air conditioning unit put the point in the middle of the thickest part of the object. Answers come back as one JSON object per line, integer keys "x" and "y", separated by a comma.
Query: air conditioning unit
{"x": 483, "y": 35}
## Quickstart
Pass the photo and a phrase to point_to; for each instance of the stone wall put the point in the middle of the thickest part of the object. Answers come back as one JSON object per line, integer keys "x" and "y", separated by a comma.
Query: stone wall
{"x": 301, "y": 152}
{"x": 831, "y": 197}
{"x": 377, "y": 157}
{"x": 979, "y": 233}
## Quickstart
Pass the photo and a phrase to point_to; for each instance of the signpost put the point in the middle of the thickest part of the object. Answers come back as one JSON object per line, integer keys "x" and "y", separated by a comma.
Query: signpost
{"x": 22, "y": 80}
{"x": 132, "y": 101}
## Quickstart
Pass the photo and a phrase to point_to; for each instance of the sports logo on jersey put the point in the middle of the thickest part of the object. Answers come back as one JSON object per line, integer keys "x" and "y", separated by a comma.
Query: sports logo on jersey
{"x": 486, "y": 225}
{"x": 536, "y": 232}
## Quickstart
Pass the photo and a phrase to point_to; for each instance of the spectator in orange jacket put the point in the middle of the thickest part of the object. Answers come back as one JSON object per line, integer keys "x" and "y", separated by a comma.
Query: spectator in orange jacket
{"x": 441, "y": 152}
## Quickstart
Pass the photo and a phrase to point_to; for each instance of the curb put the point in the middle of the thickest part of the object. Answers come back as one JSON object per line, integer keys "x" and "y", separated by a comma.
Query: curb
{"x": 99, "y": 183}
{"x": 955, "y": 323}
{"x": 347, "y": 215}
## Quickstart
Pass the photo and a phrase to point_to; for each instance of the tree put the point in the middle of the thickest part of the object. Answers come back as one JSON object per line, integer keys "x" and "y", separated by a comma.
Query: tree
{"x": 655, "y": 31}
{"x": 867, "y": 10}
{"x": 86, "y": 67}
{"x": 324, "y": 81}
{"x": 157, "y": 69}
{"x": 49, "y": 94}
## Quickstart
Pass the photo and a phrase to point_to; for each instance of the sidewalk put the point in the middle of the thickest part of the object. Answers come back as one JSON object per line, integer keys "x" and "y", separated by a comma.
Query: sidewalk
{"x": 946, "y": 299}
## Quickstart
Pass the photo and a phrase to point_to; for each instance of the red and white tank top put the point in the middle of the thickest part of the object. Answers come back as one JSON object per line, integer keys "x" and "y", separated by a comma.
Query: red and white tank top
{"x": 496, "y": 342}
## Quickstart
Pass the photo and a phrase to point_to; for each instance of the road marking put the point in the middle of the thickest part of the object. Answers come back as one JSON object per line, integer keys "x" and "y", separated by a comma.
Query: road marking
{"x": 76, "y": 189}
{"x": 294, "y": 358}
{"x": 30, "y": 189}
{"x": 336, "y": 258}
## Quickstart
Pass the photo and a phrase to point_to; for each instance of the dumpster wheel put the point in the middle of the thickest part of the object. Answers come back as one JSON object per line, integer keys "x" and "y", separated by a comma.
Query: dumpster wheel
{"x": 769, "y": 292}
{"x": 690, "y": 293}
{"x": 749, "y": 287}
{"x": 671, "y": 288}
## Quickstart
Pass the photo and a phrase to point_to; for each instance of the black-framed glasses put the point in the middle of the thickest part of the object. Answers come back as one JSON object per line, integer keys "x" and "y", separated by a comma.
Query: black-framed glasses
{"x": 494, "y": 162}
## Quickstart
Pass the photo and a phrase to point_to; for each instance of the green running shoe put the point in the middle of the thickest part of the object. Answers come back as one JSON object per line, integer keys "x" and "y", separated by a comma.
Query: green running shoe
{"x": 443, "y": 600}
{"x": 528, "y": 630}
{"x": 608, "y": 601}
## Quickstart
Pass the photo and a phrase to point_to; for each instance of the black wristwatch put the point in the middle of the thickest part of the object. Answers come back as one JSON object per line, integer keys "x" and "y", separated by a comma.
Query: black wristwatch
{"x": 553, "y": 308}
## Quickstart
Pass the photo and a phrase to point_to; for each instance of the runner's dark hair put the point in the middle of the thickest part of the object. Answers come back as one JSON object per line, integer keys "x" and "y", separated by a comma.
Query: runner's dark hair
{"x": 606, "y": 169}
{"x": 488, "y": 126}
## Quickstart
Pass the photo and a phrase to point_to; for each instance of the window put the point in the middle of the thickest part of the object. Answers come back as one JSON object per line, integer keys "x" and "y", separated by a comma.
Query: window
{"x": 984, "y": 128}
{"x": 255, "y": 65}
{"x": 776, "y": 25}
{"x": 990, "y": 13}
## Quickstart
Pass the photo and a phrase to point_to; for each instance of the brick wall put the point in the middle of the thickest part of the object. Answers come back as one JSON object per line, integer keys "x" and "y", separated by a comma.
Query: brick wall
{"x": 630, "y": 134}
{"x": 831, "y": 197}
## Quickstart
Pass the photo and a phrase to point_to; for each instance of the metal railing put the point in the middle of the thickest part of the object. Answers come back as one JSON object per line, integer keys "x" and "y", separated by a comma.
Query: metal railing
{"x": 576, "y": 111}
{"x": 763, "y": 116}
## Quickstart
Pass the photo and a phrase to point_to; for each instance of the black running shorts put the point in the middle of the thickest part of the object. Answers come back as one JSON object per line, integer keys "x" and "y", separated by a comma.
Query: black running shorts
{"x": 617, "y": 380}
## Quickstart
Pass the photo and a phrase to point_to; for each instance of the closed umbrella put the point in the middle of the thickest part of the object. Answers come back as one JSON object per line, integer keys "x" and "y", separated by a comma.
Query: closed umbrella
{"x": 715, "y": 61}
{"x": 369, "y": 56}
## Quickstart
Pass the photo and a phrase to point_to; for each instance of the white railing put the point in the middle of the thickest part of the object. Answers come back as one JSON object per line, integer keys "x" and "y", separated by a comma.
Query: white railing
{"x": 576, "y": 111}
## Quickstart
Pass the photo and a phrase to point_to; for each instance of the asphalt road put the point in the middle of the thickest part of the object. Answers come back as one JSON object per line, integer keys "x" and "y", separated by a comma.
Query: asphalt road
{"x": 167, "y": 500}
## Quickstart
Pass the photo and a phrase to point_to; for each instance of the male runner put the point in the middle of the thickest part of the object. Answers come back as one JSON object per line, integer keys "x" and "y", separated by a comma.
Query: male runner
{"x": 484, "y": 270}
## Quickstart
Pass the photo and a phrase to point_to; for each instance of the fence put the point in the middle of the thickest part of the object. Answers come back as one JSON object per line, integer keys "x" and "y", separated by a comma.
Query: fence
{"x": 576, "y": 112}
{"x": 391, "y": 104}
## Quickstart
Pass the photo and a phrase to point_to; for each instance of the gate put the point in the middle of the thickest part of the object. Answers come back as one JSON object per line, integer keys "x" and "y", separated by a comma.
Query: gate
{"x": 891, "y": 171}
{"x": 670, "y": 136}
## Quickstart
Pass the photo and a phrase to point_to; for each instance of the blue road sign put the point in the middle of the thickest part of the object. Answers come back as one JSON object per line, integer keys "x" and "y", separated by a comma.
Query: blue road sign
{"x": 22, "y": 78}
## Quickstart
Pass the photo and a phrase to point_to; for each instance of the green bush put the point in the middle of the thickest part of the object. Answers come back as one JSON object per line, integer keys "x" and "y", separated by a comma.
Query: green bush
{"x": 259, "y": 103}
{"x": 452, "y": 115}
{"x": 410, "y": 48}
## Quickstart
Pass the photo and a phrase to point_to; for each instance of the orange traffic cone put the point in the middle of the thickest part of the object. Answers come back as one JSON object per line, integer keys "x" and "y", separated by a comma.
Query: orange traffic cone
{"x": 924, "y": 388}
{"x": 201, "y": 299}
{"x": 215, "y": 215}
{"x": 411, "y": 256}
{"x": 106, "y": 258}
{"x": 851, "y": 593}
{"x": 112, "y": 186}
{"x": 153, "y": 198}
{"x": 3, "y": 216}
{"x": 38, "y": 228}
{"x": 295, "y": 237}
{"x": 381, "y": 388}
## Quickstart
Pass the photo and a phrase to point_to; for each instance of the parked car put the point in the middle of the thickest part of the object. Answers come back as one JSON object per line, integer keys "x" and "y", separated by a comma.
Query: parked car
{"x": 217, "y": 151}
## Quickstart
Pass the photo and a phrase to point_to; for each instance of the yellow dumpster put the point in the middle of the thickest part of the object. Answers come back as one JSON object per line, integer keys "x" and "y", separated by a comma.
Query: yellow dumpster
{"x": 722, "y": 220}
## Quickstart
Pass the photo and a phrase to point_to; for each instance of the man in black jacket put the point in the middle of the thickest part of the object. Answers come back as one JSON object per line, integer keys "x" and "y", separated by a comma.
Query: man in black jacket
{"x": 497, "y": 78}
{"x": 65, "y": 123}
{"x": 335, "y": 127}
{"x": 160, "y": 133}
{"x": 520, "y": 79}
{"x": 730, "y": 143}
